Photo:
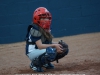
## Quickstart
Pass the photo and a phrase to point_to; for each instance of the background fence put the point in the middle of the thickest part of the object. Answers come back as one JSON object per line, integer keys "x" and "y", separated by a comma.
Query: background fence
{"x": 70, "y": 17}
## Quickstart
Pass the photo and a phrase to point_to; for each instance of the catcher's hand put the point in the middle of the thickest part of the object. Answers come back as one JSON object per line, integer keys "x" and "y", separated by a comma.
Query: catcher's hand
{"x": 64, "y": 45}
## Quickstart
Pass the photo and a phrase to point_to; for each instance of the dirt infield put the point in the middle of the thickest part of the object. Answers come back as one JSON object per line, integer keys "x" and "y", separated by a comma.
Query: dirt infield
{"x": 83, "y": 57}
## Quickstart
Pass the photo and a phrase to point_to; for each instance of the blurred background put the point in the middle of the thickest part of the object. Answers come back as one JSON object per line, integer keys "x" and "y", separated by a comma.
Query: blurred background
{"x": 69, "y": 17}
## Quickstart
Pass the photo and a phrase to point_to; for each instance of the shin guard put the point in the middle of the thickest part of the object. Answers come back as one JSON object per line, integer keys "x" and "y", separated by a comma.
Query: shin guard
{"x": 46, "y": 57}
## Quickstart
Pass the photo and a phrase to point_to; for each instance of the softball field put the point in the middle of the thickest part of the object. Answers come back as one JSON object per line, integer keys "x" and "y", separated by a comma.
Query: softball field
{"x": 83, "y": 57}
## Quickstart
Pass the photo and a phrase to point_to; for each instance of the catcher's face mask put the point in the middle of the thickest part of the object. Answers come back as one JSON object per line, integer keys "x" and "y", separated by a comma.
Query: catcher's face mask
{"x": 42, "y": 17}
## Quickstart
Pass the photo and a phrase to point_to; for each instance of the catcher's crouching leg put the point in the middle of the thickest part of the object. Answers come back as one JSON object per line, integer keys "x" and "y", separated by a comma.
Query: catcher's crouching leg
{"x": 45, "y": 58}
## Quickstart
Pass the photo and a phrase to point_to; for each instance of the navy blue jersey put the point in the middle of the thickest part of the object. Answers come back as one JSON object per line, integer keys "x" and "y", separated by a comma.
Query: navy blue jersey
{"x": 30, "y": 39}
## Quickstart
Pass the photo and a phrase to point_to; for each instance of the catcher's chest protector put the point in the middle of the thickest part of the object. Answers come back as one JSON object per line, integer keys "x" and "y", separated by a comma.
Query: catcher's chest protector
{"x": 36, "y": 33}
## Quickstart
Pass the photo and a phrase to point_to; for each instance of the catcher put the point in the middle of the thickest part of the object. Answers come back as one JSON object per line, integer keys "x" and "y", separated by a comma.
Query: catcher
{"x": 39, "y": 46}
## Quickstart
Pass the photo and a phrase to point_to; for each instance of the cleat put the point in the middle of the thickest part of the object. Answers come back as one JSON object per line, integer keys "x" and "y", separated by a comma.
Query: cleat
{"x": 36, "y": 69}
{"x": 49, "y": 66}
{"x": 39, "y": 69}
{"x": 33, "y": 67}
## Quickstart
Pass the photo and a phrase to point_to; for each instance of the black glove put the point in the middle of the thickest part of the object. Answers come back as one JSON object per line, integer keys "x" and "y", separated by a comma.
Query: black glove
{"x": 65, "y": 50}
{"x": 64, "y": 45}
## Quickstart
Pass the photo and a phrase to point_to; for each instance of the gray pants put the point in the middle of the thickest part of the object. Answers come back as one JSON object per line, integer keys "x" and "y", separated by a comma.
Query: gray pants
{"x": 33, "y": 53}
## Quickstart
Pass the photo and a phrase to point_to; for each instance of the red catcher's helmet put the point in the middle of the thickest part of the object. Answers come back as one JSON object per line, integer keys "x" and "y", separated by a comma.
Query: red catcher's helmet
{"x": 39, "y": 13}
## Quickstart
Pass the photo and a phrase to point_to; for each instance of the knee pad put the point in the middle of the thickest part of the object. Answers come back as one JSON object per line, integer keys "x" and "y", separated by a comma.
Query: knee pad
{"x": 49, "y": 55}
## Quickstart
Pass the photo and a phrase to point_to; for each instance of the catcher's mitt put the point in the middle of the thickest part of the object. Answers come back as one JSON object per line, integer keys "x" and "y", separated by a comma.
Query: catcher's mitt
{"x": 65, "y": 50}
{"x": 64, "y": 45}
